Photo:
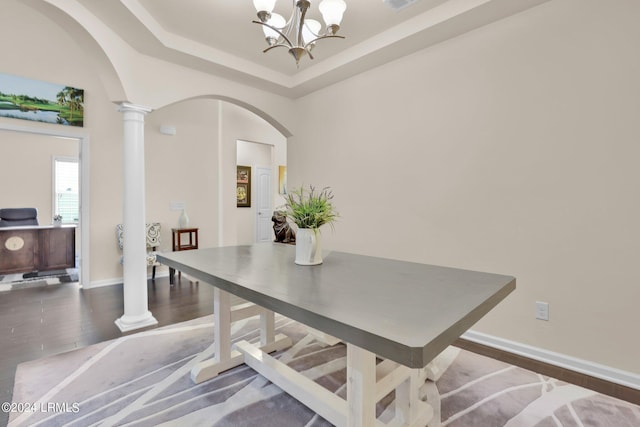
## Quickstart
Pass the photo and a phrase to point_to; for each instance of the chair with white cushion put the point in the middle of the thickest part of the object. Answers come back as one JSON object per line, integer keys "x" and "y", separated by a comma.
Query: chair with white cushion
{"x": 153, "y": 243}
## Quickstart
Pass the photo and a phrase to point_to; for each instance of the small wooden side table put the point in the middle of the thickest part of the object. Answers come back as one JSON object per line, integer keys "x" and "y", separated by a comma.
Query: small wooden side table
{"x": 182, "y": 239}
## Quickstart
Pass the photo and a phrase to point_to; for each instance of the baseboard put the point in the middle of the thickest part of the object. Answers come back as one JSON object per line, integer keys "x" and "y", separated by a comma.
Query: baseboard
{"x": 606, "y": 373}
{"x": 101, "y": 283}
{"x": 119, "y": 280}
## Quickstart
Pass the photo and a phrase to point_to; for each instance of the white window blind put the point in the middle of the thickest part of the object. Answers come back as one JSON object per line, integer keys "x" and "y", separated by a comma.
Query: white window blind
{"x": 67, "y": 200}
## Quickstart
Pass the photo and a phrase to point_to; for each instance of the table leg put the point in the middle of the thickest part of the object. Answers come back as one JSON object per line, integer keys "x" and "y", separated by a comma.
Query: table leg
{"x": 224, "y": 357}
{"x": 361, "y": 387}
{"x": 222, "y": 319}
{"x": 267, "y": 327}
{"x": 172, "y": 273}
{"x": 410, "y": 409}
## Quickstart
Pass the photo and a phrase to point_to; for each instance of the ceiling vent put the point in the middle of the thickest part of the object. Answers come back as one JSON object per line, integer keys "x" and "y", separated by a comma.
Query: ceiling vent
{"x": 399, "y": 4}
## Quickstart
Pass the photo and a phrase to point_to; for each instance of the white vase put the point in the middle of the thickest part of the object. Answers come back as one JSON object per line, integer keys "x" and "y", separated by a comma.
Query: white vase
{"x": 308, "y": 248}
{"x": 183, "y": 221}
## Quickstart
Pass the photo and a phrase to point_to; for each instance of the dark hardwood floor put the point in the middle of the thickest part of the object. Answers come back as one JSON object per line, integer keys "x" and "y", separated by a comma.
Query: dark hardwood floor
{"x": 43, "y": 321}
{"x": 40, "y": 322}
{"x": 592, "y": 383}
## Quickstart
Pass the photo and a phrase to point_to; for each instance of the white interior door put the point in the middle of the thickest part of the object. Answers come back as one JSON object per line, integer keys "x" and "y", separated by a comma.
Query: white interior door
{"x": 264, "y": 208}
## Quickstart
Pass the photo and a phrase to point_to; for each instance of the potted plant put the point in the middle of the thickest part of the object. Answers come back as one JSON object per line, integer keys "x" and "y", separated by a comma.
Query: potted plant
{"x": 57, "y": 220}
{"x": 309, "y": 209}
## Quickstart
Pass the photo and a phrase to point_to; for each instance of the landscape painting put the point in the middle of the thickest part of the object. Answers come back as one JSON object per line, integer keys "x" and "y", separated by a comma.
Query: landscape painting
{"x": 27, "y": 99}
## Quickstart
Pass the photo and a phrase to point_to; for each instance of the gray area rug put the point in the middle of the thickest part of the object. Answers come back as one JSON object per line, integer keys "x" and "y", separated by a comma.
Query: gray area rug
{"x": 143, "y": 380}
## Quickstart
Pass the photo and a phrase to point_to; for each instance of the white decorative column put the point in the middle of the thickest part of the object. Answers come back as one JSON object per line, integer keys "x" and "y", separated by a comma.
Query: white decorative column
{"x": 136, "y": 307}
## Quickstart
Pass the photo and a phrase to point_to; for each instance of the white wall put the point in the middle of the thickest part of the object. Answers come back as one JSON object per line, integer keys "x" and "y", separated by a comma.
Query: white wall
{"x": 189, "y": 167}
{"x": 183, "y": 168}
{"x": 512, "y": 149}
{"x": 238, "y": 124}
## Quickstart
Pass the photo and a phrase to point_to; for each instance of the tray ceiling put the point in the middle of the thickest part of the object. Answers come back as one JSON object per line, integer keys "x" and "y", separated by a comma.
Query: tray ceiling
{"x": 218, "y": 37}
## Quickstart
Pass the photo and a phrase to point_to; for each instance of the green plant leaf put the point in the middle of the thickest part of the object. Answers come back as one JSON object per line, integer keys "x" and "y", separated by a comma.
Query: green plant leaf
{"x": 309, "y": 208}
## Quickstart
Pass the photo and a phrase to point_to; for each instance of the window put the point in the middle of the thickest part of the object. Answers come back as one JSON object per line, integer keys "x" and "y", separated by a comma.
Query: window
{"x": 66, "y": 200}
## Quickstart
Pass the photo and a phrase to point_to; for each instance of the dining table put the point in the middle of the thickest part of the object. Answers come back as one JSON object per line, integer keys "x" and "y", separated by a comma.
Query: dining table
{"x": 394, "y": 317}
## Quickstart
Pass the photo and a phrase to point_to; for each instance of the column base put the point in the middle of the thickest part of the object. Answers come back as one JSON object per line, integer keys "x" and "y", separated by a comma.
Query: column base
{"x": 130, "y": 323}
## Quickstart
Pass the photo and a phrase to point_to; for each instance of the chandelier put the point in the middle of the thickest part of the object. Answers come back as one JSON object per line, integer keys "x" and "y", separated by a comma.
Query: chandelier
{"x": 299, "y": 34}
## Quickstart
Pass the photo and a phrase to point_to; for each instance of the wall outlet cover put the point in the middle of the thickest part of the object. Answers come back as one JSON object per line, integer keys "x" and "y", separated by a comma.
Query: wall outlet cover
{"x": 542, "y": 310}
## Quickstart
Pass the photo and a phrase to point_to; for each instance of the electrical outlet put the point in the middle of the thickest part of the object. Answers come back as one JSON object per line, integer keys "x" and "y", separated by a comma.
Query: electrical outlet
{"x": 542, "y": 310}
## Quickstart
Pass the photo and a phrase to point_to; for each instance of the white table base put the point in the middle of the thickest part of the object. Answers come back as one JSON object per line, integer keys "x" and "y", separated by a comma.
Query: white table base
{"x": 366, "y": 385}
{"x": 367, "y": 382}
{"x": 224, "y": 315}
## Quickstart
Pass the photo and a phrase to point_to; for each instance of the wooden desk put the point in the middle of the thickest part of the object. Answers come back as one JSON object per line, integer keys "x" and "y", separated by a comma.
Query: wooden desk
{"x": 404, "y": 312}
{"x": 37, "y": 248}
{"x": 190, "y": 242}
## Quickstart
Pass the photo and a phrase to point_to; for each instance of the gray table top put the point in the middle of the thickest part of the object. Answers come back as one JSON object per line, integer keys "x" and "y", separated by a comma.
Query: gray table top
{"x": 407, "y": 312}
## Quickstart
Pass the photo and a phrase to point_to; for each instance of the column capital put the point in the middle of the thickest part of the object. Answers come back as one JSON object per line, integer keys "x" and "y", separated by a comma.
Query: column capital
{"x": 124, "y": 107}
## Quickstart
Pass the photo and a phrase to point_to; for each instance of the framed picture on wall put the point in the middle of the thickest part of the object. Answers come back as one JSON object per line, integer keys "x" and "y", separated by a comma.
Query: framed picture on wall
{"x": 39, "y": 101}
{"x": 282, "y": 180}
{"x": 243, "y": 187}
